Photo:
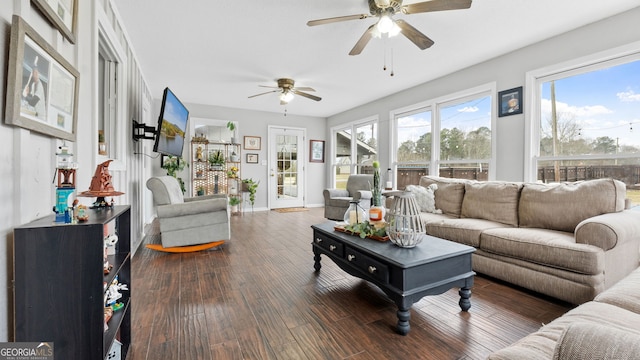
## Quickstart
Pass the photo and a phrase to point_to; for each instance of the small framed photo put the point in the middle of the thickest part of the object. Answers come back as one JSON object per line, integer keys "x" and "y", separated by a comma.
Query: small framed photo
{"x": 252, "y": 158}
{"x": 510, "y": 102}
{"x": 42, "y": 86}
{"x": 252, "y": 142}
{"x": 62, "y": 14}
{"x": 316, "y": 151}
{"x": 165, "y": 159}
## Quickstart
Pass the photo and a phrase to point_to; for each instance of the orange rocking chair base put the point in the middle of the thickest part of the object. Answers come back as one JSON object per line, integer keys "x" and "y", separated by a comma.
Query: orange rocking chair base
{"x": 185, "y": 249}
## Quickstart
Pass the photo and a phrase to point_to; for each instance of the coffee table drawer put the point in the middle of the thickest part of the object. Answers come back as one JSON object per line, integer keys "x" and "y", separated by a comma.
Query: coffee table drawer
{"x": 328, "y": 244}
{"x": 370, "y": 266}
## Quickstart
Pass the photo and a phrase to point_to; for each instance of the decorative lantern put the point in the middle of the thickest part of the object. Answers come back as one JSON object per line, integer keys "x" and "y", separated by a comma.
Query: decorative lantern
{"x": 355, "y": 213}
{"x": 404, "y": 225}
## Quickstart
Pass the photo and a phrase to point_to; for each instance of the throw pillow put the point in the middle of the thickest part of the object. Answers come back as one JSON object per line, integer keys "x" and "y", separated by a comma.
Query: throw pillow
{"x": 425, "y": 197}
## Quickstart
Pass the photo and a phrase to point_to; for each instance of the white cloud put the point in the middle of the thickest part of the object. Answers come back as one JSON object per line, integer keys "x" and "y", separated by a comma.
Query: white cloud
{"x": 628, "y": 96}
{"x": 469, "y": 109}
{"x": 578, "y": 111}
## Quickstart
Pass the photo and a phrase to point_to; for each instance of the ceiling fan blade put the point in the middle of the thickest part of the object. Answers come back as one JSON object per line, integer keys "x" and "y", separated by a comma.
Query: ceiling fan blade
{"x": 271, "y": 87}
{"x": 304, "y": 88}
{"x": 308, "y": 96}
{"x": 416, "y": 37}
{"x": 364, "y": 40}
{"x": 336, "y": 19}
{"x": 436, "y": 5}
{"x": 268, "y": 92}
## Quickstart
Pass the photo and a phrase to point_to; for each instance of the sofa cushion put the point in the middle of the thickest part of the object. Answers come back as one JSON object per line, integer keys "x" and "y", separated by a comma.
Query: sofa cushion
{"x": 546, "y": 247}
{"x": 587, "y": 341}
{"x": 624, "y": 294}
{"x": 425, "y": 197}
{"x": 495, "y": 201}
{"x": 449, "y": 194}
{"x": 563, "y": 206}
{"x": 463, "y": 231}
{"x": 542, "y": 343}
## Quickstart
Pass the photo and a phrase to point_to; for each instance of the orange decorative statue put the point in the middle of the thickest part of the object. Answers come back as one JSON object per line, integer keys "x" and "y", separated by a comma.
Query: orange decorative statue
{"x": 101, "y": 186}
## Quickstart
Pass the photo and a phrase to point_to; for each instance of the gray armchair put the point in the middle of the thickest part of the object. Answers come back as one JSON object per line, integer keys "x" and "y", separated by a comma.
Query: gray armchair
{"x": 188, "y": 221}
{"x": 336, "y": 201}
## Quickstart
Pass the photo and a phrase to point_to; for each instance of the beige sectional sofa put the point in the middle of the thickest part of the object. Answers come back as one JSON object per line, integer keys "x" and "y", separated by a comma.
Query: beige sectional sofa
{"x": 606, "y": 328}
{"x": 570, "y": 241}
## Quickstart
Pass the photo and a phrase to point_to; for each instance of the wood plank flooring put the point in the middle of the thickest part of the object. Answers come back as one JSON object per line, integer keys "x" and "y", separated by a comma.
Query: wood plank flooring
{"x": 258, "y": 297}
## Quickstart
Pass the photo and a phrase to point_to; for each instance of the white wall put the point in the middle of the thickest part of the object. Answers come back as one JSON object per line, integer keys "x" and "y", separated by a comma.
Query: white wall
{"x": 507, "y": 71}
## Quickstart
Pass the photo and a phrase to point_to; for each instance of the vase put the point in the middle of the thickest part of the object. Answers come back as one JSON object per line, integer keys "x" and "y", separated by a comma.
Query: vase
{"x": 355, "y": 214}
{"x": 234, "y": 208}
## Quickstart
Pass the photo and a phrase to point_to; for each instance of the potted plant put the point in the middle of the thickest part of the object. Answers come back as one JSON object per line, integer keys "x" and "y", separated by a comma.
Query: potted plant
{"x": 200, "y": 190}
{"x": 232, "y": 127}
{"x": 173, "y": 165}
{"x": 251, "y": 187}
{"x": 234, "y": 201}
{"x": 216, "y": 160}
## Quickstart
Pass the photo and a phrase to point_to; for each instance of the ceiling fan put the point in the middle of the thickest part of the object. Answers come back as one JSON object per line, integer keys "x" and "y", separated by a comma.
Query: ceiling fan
{"x": 287, "y": 91}
{"x": 384, "y": 11}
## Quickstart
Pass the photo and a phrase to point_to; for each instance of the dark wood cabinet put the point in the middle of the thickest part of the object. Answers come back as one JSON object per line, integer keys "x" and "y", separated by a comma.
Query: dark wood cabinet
{"x": 60, "y": 285}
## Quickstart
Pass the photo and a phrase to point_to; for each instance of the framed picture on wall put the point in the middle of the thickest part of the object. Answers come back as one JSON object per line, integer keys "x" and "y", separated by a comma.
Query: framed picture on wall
{"x": 316, "y": 151}
{"x": 252, "y": 158}
{"x": 510, "y": 102}
{"x": 62, "y": 14}
{"x": 42, "y": 87}
{"x": 252, "y": 142}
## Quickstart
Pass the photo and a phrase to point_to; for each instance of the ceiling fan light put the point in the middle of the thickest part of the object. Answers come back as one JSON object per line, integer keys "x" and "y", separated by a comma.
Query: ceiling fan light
{"x": 395, "y": 30}
{"x": 385, "y": 24}
{"x": 286, "y": 96}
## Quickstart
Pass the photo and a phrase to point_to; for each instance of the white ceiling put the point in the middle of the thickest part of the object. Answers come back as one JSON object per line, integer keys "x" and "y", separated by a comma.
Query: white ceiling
{"x": 218, "y": 52}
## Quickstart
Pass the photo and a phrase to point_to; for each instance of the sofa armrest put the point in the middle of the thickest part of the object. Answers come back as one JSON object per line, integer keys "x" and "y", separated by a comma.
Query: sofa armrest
{"x": 205, "y": 197}
{"x": 609, "y": 230}
{"x": 332, "y": 193}
{"x": 362, "y": 195}
{"x": 192, "y": 208}
{"x": 582, "y": 340}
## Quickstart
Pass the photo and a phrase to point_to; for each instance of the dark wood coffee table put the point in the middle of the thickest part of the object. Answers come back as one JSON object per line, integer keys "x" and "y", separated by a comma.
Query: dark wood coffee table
{"x": 405, "y": 275}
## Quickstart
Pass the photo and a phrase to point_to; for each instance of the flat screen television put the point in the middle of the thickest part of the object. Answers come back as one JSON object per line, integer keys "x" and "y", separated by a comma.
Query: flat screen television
{"x": 172, "y": 125}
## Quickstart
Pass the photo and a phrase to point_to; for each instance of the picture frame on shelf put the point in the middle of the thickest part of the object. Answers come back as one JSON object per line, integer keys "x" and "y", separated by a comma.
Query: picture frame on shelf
{"x": 164, "y": 158}
{"x": 510, "y": 102}
{"x": 252, "y": 158}
{"x": 316, "y": 151}
{"x": 62, "y": 14}
{"x": 42, "y": 87}
{"x": 252, "y": 142}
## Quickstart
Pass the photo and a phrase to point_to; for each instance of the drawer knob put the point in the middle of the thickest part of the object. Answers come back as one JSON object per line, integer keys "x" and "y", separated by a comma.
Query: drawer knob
{"x": 351, "y": 257}
{"x": 372, "y": 269}
{"x": 332, "y": 247}
{"x": 318, "y": 240}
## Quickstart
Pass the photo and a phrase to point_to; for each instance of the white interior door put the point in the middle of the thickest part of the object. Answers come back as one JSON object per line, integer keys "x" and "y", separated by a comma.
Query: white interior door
{"x": 286, "y": 167}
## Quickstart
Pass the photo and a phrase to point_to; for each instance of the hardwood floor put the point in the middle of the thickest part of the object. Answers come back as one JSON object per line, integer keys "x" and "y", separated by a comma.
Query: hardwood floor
{"x": 258, "y": 297}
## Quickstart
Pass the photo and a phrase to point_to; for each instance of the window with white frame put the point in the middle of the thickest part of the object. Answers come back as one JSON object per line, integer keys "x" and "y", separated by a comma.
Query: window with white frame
{"x": 450, "y": 137}
{"x": 584, "y": 123}
{"x": 354, "y": 148}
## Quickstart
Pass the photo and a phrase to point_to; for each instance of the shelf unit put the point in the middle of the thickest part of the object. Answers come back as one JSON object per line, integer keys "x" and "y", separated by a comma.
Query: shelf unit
{"x": 215, "y": 180}
{"x": 59, "y": 284}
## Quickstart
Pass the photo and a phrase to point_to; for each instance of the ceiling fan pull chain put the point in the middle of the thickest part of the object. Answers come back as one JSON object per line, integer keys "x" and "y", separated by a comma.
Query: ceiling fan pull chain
{"x": 391, "y": 62}
{"x": 384, "y": 54}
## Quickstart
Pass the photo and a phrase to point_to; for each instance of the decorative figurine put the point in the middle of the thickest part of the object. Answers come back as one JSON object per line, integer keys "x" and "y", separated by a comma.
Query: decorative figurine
{"x": 101, "y": 186}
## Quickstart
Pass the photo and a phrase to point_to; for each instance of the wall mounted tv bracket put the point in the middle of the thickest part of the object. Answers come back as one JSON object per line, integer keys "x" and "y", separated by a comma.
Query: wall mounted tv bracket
{"x": 140, "y": 131}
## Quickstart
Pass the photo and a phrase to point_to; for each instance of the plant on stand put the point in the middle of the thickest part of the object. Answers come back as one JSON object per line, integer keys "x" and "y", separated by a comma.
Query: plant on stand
{"x": 216, "y": 160}
{"x": 251, "y": 187}
{"x": 173, "y": 165}
{"x": 232, "y": 127}
{"x": 234, "y": 201}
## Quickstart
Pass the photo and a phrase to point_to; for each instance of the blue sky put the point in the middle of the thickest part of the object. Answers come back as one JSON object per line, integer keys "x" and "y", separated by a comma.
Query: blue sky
{"x": 603, "y": 102}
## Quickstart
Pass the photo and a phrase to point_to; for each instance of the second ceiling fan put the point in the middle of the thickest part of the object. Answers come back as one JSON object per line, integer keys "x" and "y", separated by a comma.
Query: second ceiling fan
{"x": 384, "y": 11}
{"x": 286, "y": 88}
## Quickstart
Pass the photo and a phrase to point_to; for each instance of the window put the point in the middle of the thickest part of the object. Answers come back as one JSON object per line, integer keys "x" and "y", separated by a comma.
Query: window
{"x": 354, "y": 154}
{"x": 450, "y": 137}
{"x": 586, "y": 123}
